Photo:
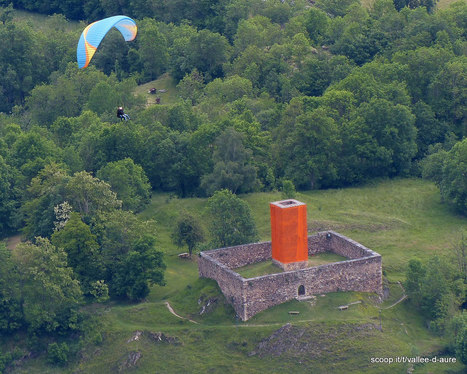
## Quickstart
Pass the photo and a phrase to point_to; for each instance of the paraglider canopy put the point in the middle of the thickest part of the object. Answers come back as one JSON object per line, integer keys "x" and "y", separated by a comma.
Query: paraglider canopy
{"x": 95, "y": 32}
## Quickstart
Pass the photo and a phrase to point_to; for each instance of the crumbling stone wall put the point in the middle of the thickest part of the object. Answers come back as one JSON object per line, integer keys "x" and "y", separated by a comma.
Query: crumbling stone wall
{"x": 242, "y": 255}
{"x": 229, "y": 282}
{"x": 362, "y": 272}
{"x": 353, "y": 275}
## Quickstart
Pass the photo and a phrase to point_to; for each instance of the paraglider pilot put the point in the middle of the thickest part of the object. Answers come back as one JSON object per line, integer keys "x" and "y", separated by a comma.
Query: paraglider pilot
{"x": 121, "y": 114}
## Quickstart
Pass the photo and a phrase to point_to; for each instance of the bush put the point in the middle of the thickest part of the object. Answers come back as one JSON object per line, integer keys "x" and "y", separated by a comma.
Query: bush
{"x": 57, "y": 354}
{"x": 5, "y": 359}
{"x": 288, "y": 190}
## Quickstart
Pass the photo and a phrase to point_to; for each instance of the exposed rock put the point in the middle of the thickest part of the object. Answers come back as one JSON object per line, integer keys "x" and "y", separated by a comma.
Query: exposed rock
{"x": 130, "y": 361}
{"x": 160, "y": 337}
{"x": 207, "y": 305}
{"x": 311, "y": 341}
{"x": 136, "y": 336}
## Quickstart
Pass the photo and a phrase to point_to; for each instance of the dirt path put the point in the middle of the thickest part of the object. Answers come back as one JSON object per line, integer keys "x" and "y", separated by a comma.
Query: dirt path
{"x": 13, "y": 241}
{"x": 404, "y": 296}
{"x": 176, "y": 315}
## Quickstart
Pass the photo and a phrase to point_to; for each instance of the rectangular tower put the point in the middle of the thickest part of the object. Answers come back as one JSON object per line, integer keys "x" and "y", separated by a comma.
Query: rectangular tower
{"x": 289, "y": 234}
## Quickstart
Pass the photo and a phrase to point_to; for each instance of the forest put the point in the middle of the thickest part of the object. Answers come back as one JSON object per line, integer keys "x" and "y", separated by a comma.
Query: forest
{"x": 271, "y": 95}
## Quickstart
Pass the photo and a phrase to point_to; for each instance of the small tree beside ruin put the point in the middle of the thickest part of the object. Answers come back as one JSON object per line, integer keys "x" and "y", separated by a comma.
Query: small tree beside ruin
{"x": 188, "y": 232}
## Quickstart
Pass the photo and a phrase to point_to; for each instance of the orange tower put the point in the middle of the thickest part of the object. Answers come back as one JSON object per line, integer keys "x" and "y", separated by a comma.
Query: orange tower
{"x": 289, "y": 234}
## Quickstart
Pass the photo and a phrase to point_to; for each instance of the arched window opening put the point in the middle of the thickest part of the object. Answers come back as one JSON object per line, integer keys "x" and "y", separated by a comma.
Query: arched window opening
{"x": 301, "y": 290}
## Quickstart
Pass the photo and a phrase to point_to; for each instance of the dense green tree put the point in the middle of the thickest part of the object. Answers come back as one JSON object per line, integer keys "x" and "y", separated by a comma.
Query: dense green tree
{"x": 318, "y": 72}
{"x": 105, "y": 144}
{"x": 188, "y": 231}
{"x": 434, "y": 288}
{"x": 118, "y": 233}
{"x": 208, "y": 52}
{"x": 428, "y": 4}
{"x": 31, "y": 152}
{"x": 251, "y": 64}
{"x": 9, "y": 196}
{"x": 453, "y": 186}
{"x": 447, "y": 94}
{"x": 129, "y": 182}
{"x": 232, "y": 222}
{"x": 380, "y": 140}
{"x": 232, "y": 167}
{"x": 102, "y": 98}
{"x": 46, "y": 191}
{"x": 437, "y": 289}
{"x": 57, "y": 354}
{"x": 229, "y": 89}
{"x": 178, "y": 40}
{"x": 49, "y": 293}
{"x": 191, "y": 87}
{"x": 175, "y": 161}
{"x": 288, "y": 190}
{"x": 414, "y": 278}
{"x": 64, "y": 96}
{"x": 460, "y": 336}
{"x": 90, "y": 196}
{"x": 181, "y": 118}
{"x": 82, "y": 251}
{"x": 429, "y": 129}
{"x": 257, "y": 31}
{"x": 422, "y": 66}
{"x": 317, "y": 23}
{"x": 63, "y": 129}
{"x": 315, "y": 142}
{"x": 432, "y": 165}
{"x": 11, "y": 316}
{"x": 204, "y": 50}
{"x": 112, "y": 55}
{"x": 21, "y": 65}
{"x": 335, "y": 7}
{"x": 152, "y": 50}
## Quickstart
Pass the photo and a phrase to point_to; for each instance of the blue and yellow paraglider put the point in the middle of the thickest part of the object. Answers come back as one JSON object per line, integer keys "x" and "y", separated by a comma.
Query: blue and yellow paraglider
{"x": 95, "y": 32}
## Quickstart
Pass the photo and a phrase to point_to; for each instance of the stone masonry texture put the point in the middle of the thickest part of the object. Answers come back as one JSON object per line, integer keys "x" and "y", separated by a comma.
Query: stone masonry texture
{"x": 361, "y": 272}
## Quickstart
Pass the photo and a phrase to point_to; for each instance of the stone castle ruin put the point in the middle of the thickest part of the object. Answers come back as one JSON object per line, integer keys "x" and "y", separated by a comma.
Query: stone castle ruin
{"x": 289, "y": 250}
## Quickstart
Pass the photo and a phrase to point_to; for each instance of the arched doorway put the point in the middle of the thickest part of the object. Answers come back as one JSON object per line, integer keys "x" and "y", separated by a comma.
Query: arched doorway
{"x": 301, "y": 290}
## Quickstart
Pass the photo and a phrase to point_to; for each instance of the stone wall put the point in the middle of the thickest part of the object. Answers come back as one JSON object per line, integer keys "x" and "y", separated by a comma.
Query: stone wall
{"x": 229, "y": 282}
{"x": 241, "y": 255}
{"x": 353, "y": 275}
{"x": 362, "y": 272}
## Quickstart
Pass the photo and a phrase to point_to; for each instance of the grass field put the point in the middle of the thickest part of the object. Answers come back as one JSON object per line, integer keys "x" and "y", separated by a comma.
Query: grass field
{"x": 267, "y": 267}
{"x": 166, "y": 83}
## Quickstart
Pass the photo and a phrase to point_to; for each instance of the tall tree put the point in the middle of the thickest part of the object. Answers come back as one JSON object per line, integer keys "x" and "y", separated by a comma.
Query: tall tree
{"x": 90, "y": 196}
{"x": 232, "y": 168}
{"x": 453, "y": 186}
{"x": 11, "y": 316}
{"x": 50, "y": 295}
{"x": 142, "y": 267}
{"x": 129, "y": 182}
{"x": 152, "y": 50}
{"x": 82, "y": 251}
{"x": 232, "y": 222}
{"x": 9, "y": 198}
{"x": 46, "y": 191}
{"x": 309, "y": 152}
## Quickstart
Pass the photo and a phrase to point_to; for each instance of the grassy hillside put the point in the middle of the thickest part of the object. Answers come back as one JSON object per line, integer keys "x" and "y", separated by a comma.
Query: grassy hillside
{"x": 400, "y": 219}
